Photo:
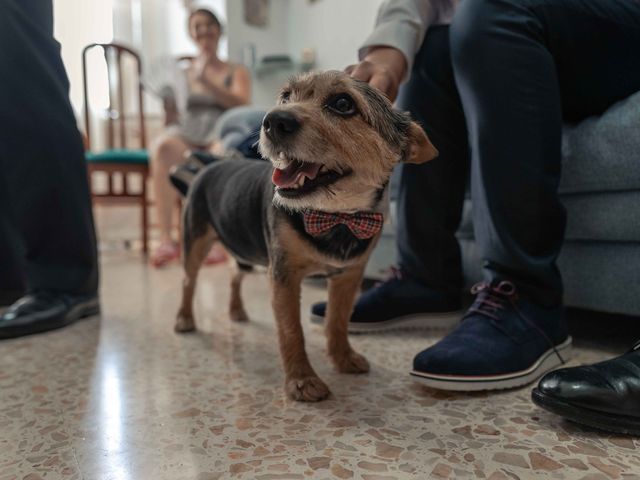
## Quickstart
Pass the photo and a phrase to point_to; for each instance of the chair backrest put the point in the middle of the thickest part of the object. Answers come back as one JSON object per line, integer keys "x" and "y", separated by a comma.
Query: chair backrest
{"x": 113, "y": 56}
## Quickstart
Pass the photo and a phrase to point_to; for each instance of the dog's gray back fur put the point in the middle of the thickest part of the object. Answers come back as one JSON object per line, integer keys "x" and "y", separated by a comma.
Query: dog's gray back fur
{"x": 235, "y": 198}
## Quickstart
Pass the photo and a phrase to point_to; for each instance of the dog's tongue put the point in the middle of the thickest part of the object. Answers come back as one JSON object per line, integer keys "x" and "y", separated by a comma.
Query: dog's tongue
{"x": 287, "y": 177}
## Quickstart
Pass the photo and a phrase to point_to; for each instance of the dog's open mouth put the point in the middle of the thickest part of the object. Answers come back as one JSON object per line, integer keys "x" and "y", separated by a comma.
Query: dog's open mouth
{"x": 299, "y": 178}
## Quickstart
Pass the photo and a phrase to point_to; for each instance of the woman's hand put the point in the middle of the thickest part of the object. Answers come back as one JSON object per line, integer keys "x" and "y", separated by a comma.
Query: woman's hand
{"x": 382, "y": 68}
{"x": 199, "y": 68}
{"x": 239, "y": 93}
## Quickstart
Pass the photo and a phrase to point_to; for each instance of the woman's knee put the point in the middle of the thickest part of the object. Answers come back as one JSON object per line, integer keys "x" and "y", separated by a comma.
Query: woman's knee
{"x": 168, "y": 149}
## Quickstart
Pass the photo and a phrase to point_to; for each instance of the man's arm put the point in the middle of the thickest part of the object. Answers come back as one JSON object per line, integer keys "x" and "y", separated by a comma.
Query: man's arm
{"x": 386, "y": 57}
{"x": 401, "y": 24}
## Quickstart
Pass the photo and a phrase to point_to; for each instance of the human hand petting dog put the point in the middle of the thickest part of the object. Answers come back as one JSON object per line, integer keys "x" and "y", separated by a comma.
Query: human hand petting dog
{"x": 382, "y": 68}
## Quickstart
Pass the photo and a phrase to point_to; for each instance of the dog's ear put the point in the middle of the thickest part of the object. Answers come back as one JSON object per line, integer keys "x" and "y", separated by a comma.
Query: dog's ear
{"x": 420, "y": 148}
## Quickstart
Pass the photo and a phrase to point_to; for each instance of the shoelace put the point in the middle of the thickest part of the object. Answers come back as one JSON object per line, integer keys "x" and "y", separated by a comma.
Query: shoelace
{"x": 491, "y": 298}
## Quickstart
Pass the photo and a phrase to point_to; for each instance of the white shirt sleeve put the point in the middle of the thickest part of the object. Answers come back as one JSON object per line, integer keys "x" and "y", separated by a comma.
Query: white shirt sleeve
{"x": 403, "y": 24}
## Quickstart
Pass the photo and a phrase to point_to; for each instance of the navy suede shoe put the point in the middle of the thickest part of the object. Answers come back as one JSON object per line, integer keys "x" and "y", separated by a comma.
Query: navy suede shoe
{"x": 504, "y": 341}
{"x": 399, "y": 303}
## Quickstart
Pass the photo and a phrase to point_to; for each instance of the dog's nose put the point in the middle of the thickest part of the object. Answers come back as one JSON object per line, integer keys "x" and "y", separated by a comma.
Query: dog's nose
{"x": 279, "y": 124}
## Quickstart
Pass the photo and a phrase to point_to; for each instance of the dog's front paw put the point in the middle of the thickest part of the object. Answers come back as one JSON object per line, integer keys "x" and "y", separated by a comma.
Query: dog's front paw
{"x": 184, "y": 323}
{"x": 352, "y": 362}
{"x": 307, "y": 389}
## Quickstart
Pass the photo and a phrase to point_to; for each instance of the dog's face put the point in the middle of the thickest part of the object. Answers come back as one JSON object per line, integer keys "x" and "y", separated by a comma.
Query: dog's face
{"x": 333, "y": 142}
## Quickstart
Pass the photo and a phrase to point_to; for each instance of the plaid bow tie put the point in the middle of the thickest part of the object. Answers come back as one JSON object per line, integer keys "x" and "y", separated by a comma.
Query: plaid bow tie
{"x": 362, "y": 224}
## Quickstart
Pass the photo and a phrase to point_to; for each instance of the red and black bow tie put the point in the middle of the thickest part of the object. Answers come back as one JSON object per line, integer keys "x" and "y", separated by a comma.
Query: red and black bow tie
{"x": 363, "y": 225}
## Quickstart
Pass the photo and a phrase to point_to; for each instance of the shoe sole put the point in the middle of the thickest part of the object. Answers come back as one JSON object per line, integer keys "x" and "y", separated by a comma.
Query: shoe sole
{"x": 458, "y": 383}
{"x": 80, "y": 311}
{"x": 431, "y": 321}
{"x": 599, "y": 420}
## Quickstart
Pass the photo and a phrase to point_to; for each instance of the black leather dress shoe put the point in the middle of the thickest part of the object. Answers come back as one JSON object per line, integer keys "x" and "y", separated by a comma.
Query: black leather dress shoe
{"x": 43, "y": 311}
{"x": 604, "y": 396}
{"x": 8, "y": 297}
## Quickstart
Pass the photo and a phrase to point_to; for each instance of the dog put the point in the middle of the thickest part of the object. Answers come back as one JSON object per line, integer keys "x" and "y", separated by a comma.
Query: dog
{"x": 316, "y": 207}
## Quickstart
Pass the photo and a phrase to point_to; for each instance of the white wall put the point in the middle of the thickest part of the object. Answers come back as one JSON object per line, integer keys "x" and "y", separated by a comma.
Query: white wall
{"x": 271, "y": 39}
{"x": 333, "y": 28}
{"x": 158, "y": 28}
{"x": 76, "y": 24}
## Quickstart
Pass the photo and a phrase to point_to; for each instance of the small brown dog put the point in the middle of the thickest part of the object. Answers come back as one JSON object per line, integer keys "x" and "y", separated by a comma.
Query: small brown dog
{"x": 316, "y": 208}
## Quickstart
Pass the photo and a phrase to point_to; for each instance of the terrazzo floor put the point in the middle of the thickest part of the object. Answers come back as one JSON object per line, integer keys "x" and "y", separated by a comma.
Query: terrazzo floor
{"x": 124, "y": 397}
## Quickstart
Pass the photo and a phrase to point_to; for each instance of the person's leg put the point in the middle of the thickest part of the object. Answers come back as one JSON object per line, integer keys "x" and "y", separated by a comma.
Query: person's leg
{"x": 12, "y": 281}
{"x": 426, "y": 291}
{"x": 45, "y": 176}
{"x": 431, "y": 195}
{"x": 167, "y": 152}
{"x": 519, "y": 65}
{"x": 42, "y": 154}
{"x": 604, "y": 395}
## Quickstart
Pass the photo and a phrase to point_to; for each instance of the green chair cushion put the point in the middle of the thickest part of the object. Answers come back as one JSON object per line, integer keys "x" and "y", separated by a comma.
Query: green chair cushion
{"x": 119, "y": 155}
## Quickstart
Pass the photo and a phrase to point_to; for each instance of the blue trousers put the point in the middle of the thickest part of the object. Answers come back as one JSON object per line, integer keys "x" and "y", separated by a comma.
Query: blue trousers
{"x": 492, "y": 91}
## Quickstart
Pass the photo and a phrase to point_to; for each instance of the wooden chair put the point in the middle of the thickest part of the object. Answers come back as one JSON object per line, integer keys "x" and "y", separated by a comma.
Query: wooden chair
{"x": 118, "y": 161}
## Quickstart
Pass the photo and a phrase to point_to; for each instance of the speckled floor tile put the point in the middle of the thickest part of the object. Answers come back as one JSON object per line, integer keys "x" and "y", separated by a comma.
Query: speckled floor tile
{"x": 124, "y": 397}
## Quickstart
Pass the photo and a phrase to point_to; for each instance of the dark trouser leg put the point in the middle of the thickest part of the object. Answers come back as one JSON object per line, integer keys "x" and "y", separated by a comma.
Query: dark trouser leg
{"x": 520, "y": 66}
{"x": 41, "y": 155}
{"x": 431, "y": 195}
{"x": 11, "y": 268}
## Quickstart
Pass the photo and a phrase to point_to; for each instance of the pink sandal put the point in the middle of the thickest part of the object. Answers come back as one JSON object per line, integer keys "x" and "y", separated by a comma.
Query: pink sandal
{"x": 165, "y": 253}
{"x": 216, "y": 255}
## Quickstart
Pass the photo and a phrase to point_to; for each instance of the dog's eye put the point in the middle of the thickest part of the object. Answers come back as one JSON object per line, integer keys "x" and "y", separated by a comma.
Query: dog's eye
{"x": 285, "y": 96}
{"x": 342, "y": 104}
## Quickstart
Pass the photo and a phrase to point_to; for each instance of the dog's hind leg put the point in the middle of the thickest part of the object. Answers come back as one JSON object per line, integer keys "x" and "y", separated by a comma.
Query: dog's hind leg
{"x": 236, "y": 306}
{"x": 342, "y": 292}
{"x": 198, "y": 238}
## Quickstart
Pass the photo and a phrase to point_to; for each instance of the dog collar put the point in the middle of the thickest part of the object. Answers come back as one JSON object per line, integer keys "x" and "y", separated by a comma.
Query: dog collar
{"x": 363, "y": 225}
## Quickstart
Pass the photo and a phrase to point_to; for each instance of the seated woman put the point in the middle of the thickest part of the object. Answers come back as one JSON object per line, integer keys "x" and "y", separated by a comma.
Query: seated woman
{"x": 212, "y": 86}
